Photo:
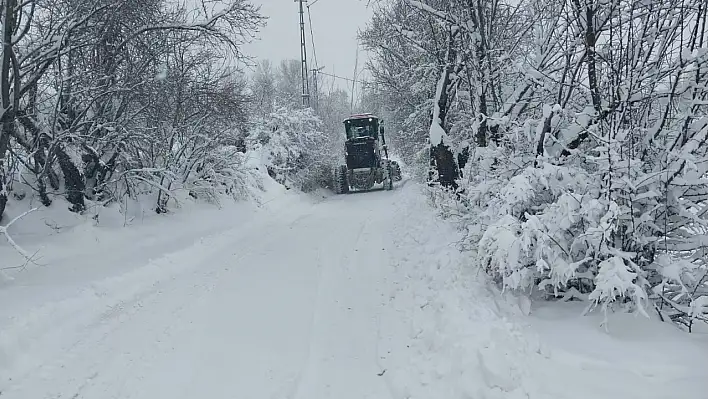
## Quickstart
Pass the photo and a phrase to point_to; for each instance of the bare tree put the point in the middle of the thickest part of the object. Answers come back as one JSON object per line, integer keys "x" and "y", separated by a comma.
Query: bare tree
{"x": 74, "y": 73}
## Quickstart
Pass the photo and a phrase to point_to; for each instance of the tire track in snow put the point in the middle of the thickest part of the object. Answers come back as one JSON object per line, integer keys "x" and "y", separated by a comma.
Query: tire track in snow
{"x": 221, "y": 322}
{"x": 95, "y": 325}
{"x": 107, "y": 325}
{"x": 343, "y": 363}
{"x": 306, "y": 371}
{"x": 296, "y": 389}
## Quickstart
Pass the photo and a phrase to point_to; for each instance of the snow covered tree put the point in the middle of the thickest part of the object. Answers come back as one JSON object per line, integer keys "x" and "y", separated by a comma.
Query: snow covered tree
{"x": 404, "y": 67}
{"x": 90, "y": 80}
{"x": 580, "y": 130}
{"x": 263, "y": 89}
{"x": 295, "y": 149}
{"x": 313, "y": 136}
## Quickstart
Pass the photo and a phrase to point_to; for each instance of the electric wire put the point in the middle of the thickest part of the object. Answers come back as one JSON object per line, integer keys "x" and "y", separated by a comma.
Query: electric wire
{"x": 343, "y": 78}
{"x": 314, "y": 53}
{"x": 312, "y": 36}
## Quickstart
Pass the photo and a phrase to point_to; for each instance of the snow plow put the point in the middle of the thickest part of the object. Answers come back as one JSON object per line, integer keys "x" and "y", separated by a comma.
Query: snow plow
{"x": 366, "y": 157}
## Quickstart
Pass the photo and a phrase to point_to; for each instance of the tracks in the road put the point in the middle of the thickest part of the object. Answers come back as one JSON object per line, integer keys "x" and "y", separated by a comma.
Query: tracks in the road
{"x": 305, "y": 368}
{"x": 287, "y": 306}
{"x": 343, "y": 360}
{"x": 73, "y": 337}
{"x": 81, "y": 346}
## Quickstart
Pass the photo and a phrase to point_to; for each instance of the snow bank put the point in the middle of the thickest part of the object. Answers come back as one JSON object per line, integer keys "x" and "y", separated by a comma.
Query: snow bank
{"x": 467, "y": 340}
{"x": 82, "y": 267}
{"x": 52, "y": 232}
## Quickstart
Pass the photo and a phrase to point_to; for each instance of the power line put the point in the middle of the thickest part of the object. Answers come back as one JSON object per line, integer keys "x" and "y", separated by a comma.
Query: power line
{"x": 314, "y": 56}
{"x": 312, "y": 35}
{"x": 343, "y": 78}
{"x": 317, "y": 70}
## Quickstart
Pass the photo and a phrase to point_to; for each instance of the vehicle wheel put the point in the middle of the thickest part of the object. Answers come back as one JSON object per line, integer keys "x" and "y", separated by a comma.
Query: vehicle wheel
{"x": 396, "y": 171}
{"x": 387, "y": 176}
{"x": 341, "y": 180}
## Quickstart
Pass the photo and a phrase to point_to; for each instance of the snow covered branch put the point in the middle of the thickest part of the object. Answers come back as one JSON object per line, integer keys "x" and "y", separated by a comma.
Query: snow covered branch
{"x": 581, "y": 133}
{"x": 4, "y": 231}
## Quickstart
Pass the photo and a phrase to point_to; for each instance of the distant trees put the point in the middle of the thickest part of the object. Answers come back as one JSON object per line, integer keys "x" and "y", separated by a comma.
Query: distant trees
{"x": 580, "y": 130}
{"x": 302, "y": 146}
{"x": 107, "y": 98}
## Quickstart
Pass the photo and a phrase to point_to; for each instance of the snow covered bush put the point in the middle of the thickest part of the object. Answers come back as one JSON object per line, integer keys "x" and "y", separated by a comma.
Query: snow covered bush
{"x": 564, "y": 230}
{"x": 577, "y": 133}
{"x": 294, "y": 148}
{"x": 593, "y": 227}
{"x": 225, "y": 173}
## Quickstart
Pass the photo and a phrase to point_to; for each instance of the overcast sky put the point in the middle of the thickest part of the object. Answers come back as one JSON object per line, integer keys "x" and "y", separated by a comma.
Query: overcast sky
{"x": 335, "y": 24}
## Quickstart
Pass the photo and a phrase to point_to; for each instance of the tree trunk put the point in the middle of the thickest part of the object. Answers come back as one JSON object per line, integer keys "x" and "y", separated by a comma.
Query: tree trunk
{"x": 6, "y": 83}
{"x": 476, "y": 10}
{"x": 590, "y": 38}
{"x": 73, "y": 181}
{"x": 444, "y": 163}
{"x": 4, "y": 141}
{"x": 462, "y": 158}
{"x": 542, "y": 137}
{"x": 442, "y": 158}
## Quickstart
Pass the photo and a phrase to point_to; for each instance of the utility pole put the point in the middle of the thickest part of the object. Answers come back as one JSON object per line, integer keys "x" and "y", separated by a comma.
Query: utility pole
{"x": 356, "y": 67}
{"x": 316, "y": 92}
{"x": 303, "y": 58}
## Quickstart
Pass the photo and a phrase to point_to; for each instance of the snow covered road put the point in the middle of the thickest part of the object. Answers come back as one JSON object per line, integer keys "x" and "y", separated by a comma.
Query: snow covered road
{"x": 357, "y": 296}
{"x": 285, "y": 307}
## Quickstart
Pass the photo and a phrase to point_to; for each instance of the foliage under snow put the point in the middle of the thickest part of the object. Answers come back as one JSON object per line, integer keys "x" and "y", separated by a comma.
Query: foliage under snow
{"x": 580, "y": 129}
{"x": 294, "y": 147}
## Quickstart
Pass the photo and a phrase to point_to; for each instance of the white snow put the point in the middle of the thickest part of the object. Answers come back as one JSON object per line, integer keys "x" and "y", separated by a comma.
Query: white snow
{"x": 357, "y": 296}
{"x": 437, "y": 134}
{"x": 636, "y": 358}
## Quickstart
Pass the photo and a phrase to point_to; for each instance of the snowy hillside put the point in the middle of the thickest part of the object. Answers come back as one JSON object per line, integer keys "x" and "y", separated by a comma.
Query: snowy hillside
{"x": 343, "y": 297}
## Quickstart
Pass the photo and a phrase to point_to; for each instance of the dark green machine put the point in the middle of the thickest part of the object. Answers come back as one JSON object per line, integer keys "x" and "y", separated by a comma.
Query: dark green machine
{"x": 367, "y": 161}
